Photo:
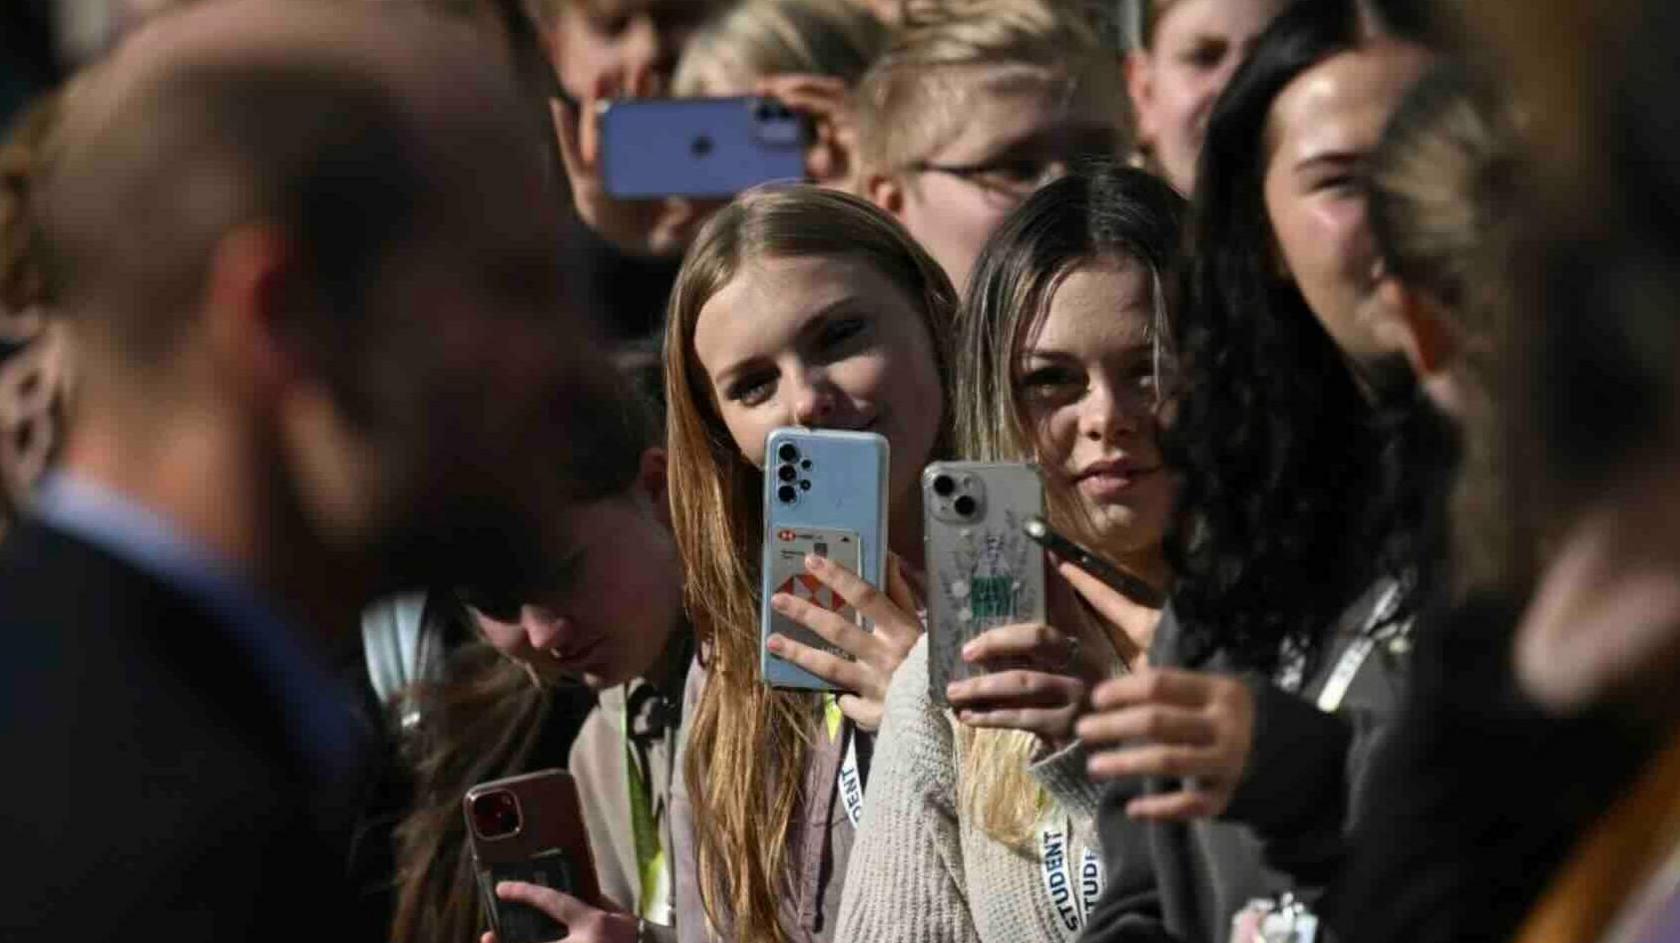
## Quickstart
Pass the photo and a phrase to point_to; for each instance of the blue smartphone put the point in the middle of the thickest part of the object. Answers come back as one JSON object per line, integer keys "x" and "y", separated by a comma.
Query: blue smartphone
{"x": 824, "y": 493}
{"x": 699, "y": 147}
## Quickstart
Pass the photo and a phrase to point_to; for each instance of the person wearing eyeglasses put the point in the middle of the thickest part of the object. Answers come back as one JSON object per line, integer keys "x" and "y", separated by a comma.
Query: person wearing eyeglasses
{"x": 973, "y": 108}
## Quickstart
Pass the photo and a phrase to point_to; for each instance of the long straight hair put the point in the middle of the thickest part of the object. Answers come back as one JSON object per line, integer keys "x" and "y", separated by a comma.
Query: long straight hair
{"x": 748, "y": 743}
{"x": 1099, "y": 214}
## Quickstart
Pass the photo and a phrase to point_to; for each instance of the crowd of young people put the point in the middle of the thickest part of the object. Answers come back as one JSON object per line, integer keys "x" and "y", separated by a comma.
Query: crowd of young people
{"x": 1349, "y": 346}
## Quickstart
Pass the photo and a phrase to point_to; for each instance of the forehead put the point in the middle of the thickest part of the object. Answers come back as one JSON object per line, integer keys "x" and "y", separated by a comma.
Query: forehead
{"x": 989, "y": 106}
{"x": 1100, "y": 307}
{"x": 1191, "y": 19}
{"x": 1342, "y": 104}
{"x": 761, "y": 309}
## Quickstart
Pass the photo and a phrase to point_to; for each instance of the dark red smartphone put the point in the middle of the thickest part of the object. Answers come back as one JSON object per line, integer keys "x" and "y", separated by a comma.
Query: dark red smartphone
{"x": 529, "y": 828}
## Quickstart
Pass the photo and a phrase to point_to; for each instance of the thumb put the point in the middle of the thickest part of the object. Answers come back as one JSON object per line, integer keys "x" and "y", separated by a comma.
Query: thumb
{"x": 561, "y": 906}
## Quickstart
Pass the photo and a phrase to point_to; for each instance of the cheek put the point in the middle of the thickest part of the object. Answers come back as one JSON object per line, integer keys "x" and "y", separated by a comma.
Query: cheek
{"x": 504, "y": 638}
{"x": 748, "y": 432}
{"x": 1055, "y": 432}
{"x": 868, "y": 377}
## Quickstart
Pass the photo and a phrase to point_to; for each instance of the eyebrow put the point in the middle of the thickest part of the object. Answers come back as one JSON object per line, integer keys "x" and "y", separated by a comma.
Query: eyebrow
{"x": 1335, "y": 158}
{"x": 727, "y": 375}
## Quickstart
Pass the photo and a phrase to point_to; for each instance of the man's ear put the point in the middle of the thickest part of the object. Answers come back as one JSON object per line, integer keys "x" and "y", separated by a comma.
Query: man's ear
{"x": 248, "y": 284}
{"x": 1140, "y": 86}
{"x": 653, "y": 479}
{"x": 887, "y": 193}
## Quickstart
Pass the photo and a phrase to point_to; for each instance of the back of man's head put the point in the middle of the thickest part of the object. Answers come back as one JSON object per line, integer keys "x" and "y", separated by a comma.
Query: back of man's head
{"x": 346, "y": 204}
{"x": 311, "y": 127}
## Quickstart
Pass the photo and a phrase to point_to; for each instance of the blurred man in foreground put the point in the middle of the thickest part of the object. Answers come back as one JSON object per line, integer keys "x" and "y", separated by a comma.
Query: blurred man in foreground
{"x": 306, "y": 259}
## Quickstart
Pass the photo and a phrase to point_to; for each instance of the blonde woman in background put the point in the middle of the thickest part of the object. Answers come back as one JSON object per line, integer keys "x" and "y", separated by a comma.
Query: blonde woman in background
{"x": 978, "y": 825}
{"x": 798, "y": 306}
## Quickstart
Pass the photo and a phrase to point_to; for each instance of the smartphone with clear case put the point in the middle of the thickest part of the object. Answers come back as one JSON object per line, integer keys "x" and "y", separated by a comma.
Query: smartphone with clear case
{"x": 982, "y": 569}
{"x": 824, "y": 493}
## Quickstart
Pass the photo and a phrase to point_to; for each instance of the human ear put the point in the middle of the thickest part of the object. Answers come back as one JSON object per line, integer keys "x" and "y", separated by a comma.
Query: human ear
{"x": 887, "y": 193}
{"x": 1140, "y": 86}
{"x": 250, "y": 281}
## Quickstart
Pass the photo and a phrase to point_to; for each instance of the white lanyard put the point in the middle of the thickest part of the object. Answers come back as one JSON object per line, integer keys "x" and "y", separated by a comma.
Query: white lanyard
{"x": 1072, "y": 894}
{"x": 1347, "y": 667}
{"x": 849, "y": 781}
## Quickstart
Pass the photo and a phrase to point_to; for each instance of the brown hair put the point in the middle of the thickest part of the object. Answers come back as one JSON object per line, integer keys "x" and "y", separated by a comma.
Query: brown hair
{"x": 482, "y": 718}
{"x": 909, "y": 103}
{"x": 748, "y": 742}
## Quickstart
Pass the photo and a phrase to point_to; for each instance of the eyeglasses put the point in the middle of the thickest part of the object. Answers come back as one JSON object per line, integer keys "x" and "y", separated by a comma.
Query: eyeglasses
{"x": 1006, "y": 181}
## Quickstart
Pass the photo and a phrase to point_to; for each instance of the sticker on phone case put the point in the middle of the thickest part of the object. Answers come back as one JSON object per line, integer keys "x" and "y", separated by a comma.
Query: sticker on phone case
{"x": 982, "y": 577}
{"x": 788, "y": 575}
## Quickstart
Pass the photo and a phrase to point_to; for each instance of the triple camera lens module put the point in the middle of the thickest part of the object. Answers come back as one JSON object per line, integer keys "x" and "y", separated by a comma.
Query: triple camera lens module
{"x": 789, "y": 473}
{"x": 495, "y": 814}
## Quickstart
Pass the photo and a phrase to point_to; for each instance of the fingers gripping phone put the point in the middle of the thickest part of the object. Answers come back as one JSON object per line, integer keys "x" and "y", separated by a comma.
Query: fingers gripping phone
{"x": 1087, "y": 560}
{"x": 529, "y": 828}
{"x": 982, "y": 570}
{"x": 699, "y": 147}
{"x": 824, "y": 493}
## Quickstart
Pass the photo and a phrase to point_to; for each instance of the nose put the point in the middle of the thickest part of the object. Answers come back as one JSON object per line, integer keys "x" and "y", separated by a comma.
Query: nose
{"x": 544, "y": 628}
{"x": 811, "y": 398}
{"x": 1105, "y": 416}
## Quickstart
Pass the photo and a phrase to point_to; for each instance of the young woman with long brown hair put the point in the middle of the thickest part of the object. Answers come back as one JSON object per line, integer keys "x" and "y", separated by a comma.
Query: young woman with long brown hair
{"x": 797, "y": 306}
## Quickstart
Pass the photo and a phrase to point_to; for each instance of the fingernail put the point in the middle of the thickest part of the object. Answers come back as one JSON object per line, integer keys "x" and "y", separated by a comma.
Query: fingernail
{"x": 814, "y": 562}
{"x": 775, "y": 644}
{"x": 953, "y": 690}
{"x": 969, "y": 650}
{"x": 779, "y": 602}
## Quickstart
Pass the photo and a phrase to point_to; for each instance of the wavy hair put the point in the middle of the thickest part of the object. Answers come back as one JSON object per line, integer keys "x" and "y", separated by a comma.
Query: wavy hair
{"x": 1102, "y": 212}
{"x": 1296, "y": 493}
{"x": 748, "y": 742}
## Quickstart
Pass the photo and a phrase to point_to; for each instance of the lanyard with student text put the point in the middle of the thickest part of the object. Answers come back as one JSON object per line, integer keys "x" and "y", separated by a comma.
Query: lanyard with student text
{"x": 651, "y": 873}
{"x": 850, "y": 779}
{"x": 1072, "y": 894}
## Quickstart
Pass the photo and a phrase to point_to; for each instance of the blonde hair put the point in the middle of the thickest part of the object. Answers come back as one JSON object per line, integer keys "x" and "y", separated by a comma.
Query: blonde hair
{"x": 748, "y": 744}
{"x": 1098, "y": 214}
{"x": 911, "y": 101}
{"x": 760, "y": 38}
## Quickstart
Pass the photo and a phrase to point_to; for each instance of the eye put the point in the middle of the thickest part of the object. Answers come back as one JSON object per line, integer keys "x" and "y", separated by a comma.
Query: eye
{"x": 751, "y": 389}
{"x": 1051, "y": 381}
{"x": 1204, "y": 55}
{"x": 838, "y": 332}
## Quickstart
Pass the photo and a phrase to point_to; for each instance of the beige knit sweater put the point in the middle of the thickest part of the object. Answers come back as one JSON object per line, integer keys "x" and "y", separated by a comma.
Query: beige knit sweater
{"x": 921, "y": 872}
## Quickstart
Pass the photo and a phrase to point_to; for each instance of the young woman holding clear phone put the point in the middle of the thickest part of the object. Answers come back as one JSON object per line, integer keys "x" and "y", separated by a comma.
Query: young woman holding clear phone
{"x": 795, "y": 306}
{"x": 1060, "y": 362}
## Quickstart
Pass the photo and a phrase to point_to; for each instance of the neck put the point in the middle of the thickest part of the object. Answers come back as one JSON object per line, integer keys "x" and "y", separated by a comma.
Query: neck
{"x": 210, "y": 482}
{"x": 670, "y": 669}
{"x": 904, "y": 533}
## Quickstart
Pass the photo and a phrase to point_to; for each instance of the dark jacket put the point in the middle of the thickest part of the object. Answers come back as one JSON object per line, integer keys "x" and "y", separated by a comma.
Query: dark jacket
{"x": 1478, "y": 795}
{"x": 152, "y": 791}
{"x": 1285, "y": 828}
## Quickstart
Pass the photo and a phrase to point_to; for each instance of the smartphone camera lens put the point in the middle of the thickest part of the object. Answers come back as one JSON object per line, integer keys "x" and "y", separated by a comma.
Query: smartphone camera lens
{"x": 943, "y": 485}
{"x": 495, "y": 814}
{"x": 964, "y": 506}
{"x": 787, "y": 452}
{"x": 805, "y": 484}
{"x": 702, "y": 146}
{"x": 787, "y": 494}
{"x": 762, "y": 110}
{"x": 787, "y": 473}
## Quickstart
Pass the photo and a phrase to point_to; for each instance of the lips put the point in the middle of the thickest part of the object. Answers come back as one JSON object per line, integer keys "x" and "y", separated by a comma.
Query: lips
{"x": 1111, "y": 477}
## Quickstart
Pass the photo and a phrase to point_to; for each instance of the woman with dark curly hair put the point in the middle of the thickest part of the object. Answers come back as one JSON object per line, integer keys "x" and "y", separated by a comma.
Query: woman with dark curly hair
{"x": 1303, "y": 532}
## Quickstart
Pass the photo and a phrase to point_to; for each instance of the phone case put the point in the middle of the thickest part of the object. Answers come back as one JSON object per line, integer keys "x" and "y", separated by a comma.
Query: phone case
{"x": 827, "y": 485}
{"x": 699, "y": 147}
{"x": 982, "y": 570}
{"x": 545, "y": 841}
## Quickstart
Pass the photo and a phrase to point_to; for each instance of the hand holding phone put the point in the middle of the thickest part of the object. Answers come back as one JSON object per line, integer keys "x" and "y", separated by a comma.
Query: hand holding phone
{"x": 529, "y": 829}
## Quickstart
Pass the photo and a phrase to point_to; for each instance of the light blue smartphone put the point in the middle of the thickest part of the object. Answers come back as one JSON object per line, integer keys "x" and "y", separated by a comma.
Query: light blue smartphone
{"x": 824, "y": 493}
{"x": 699, "y": 147}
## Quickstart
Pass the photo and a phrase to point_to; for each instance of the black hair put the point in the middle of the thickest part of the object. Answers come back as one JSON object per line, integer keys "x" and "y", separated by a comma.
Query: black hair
{"x": 1296, "y": 493}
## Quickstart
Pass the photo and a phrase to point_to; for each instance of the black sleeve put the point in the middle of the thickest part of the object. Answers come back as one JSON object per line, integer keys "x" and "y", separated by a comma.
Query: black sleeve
{"x": 1129, "y": 910}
